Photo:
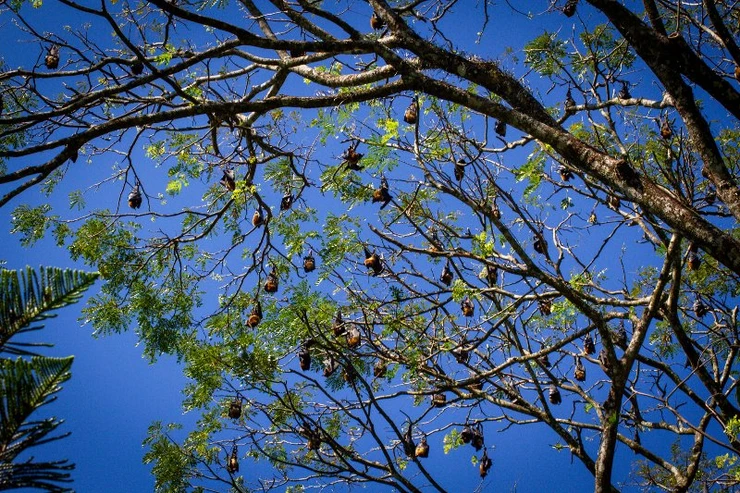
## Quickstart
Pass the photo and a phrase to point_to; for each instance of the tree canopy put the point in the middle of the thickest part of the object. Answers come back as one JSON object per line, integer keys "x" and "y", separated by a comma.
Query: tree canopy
{"x": 376, "y": 231}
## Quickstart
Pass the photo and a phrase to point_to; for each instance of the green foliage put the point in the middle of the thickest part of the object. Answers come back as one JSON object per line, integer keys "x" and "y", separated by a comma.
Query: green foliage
{"x": 532, "y": 171}
{"x": 729, "y": 140}
{"x": 545, "y": 54}
{"x": 451, "y": 441}
{"x": 289, "y": 227}
{"x": 732, "y": 430}
{"x": 26, "y": 384}
{"x": 729, "y": 464}
{"x": 483, "y": 246}
{"x": 165, "y": 58}
{"x": 163, "y": 312}
{"x": 603, "y": 52}
{"x": 27, "y": 297}
{"x": 31, "y": 222}
{"x": 172, "y": 466}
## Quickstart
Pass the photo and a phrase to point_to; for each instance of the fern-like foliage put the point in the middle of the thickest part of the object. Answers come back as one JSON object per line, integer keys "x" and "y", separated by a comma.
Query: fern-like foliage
{"x": 26, "y": 385}
{"x": 28, "y": 296}
{"x": 31, "y": 381}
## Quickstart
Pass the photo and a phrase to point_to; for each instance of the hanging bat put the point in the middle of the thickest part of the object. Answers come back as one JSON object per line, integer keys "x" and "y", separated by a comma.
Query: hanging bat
{"x": 381, "y": 194}
{"x": 372, "y": 261}
{"x": 287, "y": 201}
{"x": 422, "y": 450}
{"x": 352, "y": 157}
{"x": 271, "y": 284}
{"x": 380, "y": 369}
{"x": 235, "y": 408}
{"x": 137, "y": 67}
{"x": 228, "y": 180}
{"x": 439, "y": 400}
{"x": 338, "y": 326}
{"x": 134, "y": 197}
{"x": 665, "y": 129}
{"x": 485, "y": 464}
{"x": 588, "y": 345}
{"x": 257, "y": 219}
{"x": 376, "y": 22}
{"x": 446, "y": 277}
{"x": 256, "y": 316}
{"x": 459, "y": 170}
{"x": 554, "y": 396}
{"x": 467, "y": 307}
{"x": 411, "y": 115}
{"x": 500, "y": 128}
{"x": 304, "y": 359}
{"x": 51, "y": 60}
{"x": 565, "y": 173}
{"x": 570, "y": 8}
{"x": 232, "y": 465}
{"x": 580, "y": 371}
{"x": 545, "y": 307}
{"x": 540, "y": 245}
{"x": 624, "y": 93}
{"x": 309, "y": 262}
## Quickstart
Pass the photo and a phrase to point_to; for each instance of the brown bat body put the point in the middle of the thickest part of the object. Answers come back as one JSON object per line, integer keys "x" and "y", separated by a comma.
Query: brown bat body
{"x": 588, "y": 345}
{"x": 338, "y": 326}
{"x": 232, "y": 465}
{"x": 446, "y": 277}
{"x": 255, "y": 317}
{"x": 228, "y": 180}
{"x": 411, "y": 115}
{"x": 380, "y": 369}
{"x": 554, "y": 396}
{"x": 134, "y": 198}
{"x": 422, "y": 450}
{"x": 235, "y": 408}
{"x": 570, "y": 8}
{"x": 500, "y": 128}
{"x": 373, "y": 262}
{"x": 624, "y": 93}
{"x": 304, "y": 359}
{"x": 137, "y": 67}
{"x": 580, "y": 371}
{"x": 51, "y": 60}
{"x": 485, "y": 465}
{"x": 540, "y": 245}
{"x": 309, "y": 263}
{"x": 257, "y": 219}
{"x": 376, "y": 22}
{"x": 439, "y": 400}
{"x": 665, "y": 129}
{"x": 353, "y": 337}
{"x": 271, "y": 284}
{"x": 468, "y": 309}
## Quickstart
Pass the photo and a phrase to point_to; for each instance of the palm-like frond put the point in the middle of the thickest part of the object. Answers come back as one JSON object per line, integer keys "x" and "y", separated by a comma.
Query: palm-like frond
{"x": 25, "y": 385}
{"x": 28, "y": 296}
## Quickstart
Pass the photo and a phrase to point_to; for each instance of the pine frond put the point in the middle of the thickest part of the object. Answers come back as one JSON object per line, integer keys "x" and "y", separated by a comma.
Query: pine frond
{"x": 25, "y": 386}
{"x": 29, "y": 296}
{"x": 36, "y": 475}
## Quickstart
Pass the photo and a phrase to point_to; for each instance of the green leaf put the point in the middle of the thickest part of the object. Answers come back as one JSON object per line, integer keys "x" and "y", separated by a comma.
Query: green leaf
{"x": 28, "y": 297}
